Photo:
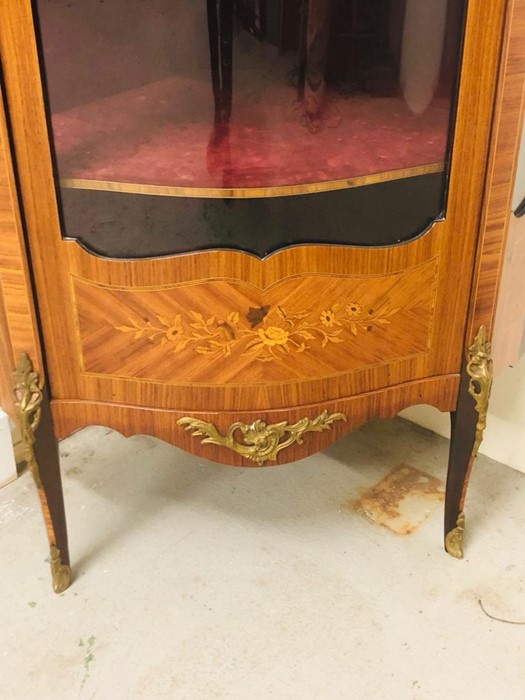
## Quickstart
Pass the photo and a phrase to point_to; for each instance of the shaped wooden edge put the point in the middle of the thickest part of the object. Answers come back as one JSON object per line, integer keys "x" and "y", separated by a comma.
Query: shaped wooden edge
{"x": 334, "y": 419}
{"x": 18, "y": 325}
{"x": 6, "y": 363}
{"x": 498, "y": 271}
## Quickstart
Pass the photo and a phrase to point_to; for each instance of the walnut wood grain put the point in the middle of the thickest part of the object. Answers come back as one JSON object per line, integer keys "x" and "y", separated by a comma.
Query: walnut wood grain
{"x": 69, "y": 416}
{"x": 496, "y": 215}
{"x": 18, "y": 328}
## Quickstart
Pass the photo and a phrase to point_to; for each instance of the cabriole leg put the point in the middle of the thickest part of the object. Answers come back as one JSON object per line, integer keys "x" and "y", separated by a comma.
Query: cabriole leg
{"x": 41, "y": 454}
{"x": 468, "y": 425}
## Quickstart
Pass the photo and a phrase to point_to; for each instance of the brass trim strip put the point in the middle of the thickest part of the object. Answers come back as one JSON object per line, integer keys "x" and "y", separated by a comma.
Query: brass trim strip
{"x": 249, "y": 192}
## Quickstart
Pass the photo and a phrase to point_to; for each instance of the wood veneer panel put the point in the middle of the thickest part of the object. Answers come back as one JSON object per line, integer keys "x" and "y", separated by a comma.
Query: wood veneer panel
{"x": 225, "y": 332}
{"x": 516, "y": 32}
{"x": 18, "y": 330}
{"x": 451, "y": 242}
{"x": 497, "y": 212}
{"x": 6, "y": 363}
{"x": 69, "y": 416}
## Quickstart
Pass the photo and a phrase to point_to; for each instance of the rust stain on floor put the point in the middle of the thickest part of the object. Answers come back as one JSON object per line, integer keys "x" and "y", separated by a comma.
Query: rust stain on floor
{"x": 402, "y": 500}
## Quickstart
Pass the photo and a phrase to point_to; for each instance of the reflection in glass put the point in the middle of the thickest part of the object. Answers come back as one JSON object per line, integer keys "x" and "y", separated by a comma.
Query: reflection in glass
{"x": 223, "y": 97}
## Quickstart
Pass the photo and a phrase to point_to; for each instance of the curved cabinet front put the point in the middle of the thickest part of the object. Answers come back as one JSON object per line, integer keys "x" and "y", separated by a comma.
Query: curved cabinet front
{"x": 357, "y": 298}
{"x": 249, "y": 125}
{"x": 235, "y": 336}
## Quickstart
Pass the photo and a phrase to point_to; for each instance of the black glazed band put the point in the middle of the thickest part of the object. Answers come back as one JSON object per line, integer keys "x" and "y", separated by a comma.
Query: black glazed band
{"x": 118, "y": 225}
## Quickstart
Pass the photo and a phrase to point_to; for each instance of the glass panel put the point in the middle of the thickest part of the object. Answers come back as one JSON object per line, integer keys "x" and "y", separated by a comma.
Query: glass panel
{"x": 253, "y": 124}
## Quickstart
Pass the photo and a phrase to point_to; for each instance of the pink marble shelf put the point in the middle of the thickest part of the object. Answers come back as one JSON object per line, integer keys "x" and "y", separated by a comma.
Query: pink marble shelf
{"x": 162, "y": 134}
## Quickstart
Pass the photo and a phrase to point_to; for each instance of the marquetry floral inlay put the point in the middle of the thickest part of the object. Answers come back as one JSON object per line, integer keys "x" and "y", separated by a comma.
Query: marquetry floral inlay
{"x": 267, "y": 333}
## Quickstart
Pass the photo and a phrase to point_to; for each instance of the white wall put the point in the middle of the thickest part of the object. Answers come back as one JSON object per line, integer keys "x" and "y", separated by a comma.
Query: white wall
{"x": 7, "y": 457}
{"x": 505, "y": 434}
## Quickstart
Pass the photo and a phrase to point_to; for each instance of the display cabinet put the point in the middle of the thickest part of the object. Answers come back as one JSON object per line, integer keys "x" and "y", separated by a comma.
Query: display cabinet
{"x": 248, "y": 227}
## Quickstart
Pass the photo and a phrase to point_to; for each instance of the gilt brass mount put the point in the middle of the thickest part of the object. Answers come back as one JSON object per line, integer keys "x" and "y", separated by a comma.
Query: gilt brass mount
{"x": 60, "y": 573}
{"x": 479, "y": 369}
{"x": 28, "y": 398}
{"x": 260, "y": 442}
{"x": 454, "y": 539}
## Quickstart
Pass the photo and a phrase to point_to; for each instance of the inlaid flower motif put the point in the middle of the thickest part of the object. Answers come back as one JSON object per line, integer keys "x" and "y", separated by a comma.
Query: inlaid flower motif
{"x": 280, "y": 331}
{"x": 353, "y": 310}
{"x": 329, "y": 318}
{"x": 257, "y": 315}
{"x": 273, "y": 335}
{"x": 175, "y": 329}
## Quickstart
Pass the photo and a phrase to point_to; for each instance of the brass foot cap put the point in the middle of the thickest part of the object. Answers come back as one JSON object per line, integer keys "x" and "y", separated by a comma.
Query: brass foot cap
{"x": 60, "y": 573}
{"x": 454, "y": 539}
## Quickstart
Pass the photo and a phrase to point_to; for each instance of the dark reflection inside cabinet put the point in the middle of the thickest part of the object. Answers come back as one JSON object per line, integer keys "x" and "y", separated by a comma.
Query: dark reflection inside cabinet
{"x": 186, "y": 124}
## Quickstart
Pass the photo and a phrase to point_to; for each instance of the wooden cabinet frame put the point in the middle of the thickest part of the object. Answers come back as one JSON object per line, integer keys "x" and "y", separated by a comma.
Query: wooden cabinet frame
{"x": 449, "y": 275}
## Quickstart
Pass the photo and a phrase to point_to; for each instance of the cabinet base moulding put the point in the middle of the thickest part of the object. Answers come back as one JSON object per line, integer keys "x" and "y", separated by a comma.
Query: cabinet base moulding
{"x": 72, "y": 415}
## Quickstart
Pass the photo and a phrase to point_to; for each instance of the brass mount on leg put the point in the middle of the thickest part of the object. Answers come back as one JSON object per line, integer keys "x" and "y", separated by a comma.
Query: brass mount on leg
{"x": 28, "y": 402}
{"x": 60, "y": 573}
{"x": 28, "y": 398}
{"x": 454, "y": 539}
{"x": 479, "y": 370}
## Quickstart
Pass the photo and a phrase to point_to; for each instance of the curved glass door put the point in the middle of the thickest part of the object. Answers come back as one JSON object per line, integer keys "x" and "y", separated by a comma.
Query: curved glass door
{"x": 179, "y": 125}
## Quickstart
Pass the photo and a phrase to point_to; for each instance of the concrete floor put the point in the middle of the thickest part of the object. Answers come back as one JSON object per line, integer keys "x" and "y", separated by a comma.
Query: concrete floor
{"x": 196, "y": 581}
